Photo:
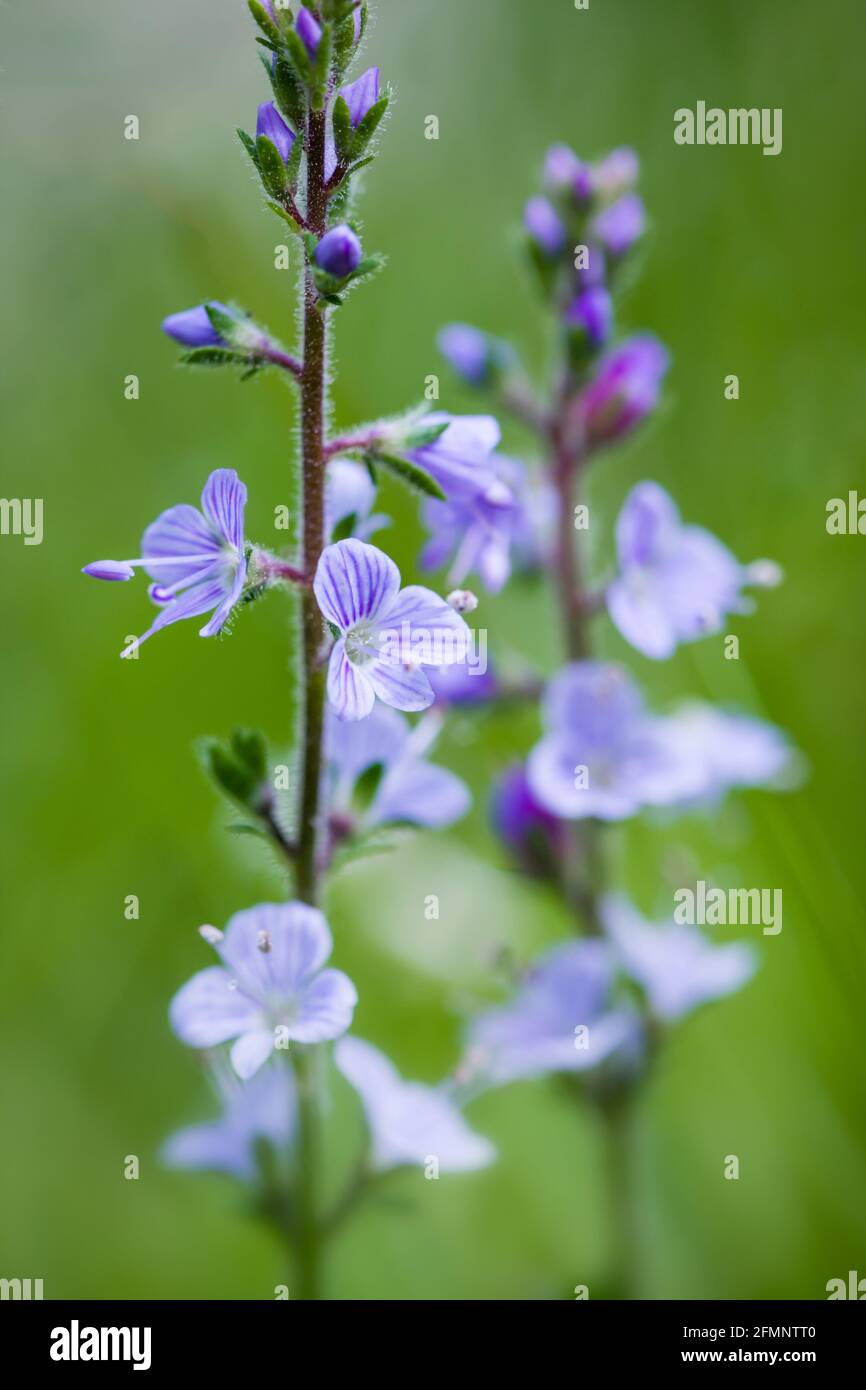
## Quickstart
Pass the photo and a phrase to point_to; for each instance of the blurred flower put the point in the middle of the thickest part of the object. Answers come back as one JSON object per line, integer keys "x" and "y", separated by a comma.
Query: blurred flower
{"x": 617, "y": 172}
{"x": 537, "y": 840}
{"x": 270, "y": 123}
{"x": 603, "y": 755}
{"x": 625, "y": 389}
{"x": 409, "y": 1123}
{"x": 676, "y": 966}
{"x": 262, "y": 1108}
{"x": 410, "y": 788}
{"x": 339, "y": 252}
{"x": 677, "y": 583}
{"x": 462, "y": 684}
{"x": 733, "y": 750}
{"x": 461, "y": 459}
{"x": 621, "y": 224}
{"x": 349, "y": 496}
{"x": 563, "y": 171}
{"x": 361, "y": 95}
{"x": 467, "y": 351}
{"x": 309, "y": 32}
{"x": 386, "y": 635}
{"x": 591, "y": 314}
{"x": 562, "y": 1019}
{"x": 197, "y": 558}
{"x": 544, "y": 226}
{"x": 271, "y": 987}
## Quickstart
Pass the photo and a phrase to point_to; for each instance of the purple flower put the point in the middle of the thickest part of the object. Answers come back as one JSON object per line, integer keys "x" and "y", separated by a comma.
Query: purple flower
{"x": 349, "y": 494}
{"x": 544, "y": 226}
{"x": 477, "y": 533}
{"x": 625, "y": 390}
{"x": 536, "y": 839}
{"x": 676, "y": 583}
{"x": 270, "y": 989}
{"x": 461, "y": 459}
{"x": 467, "y": 351}
{"x": 409, "y": 1123}
{"x": 339, "y": 252}
{"x": 562, "y": 1019}
{"x": 675, "y": 965}
{"x": 361, "y": 95}
{"x": 193, "y": 328}
{"x": 387, "y": 635}
{"x": 411, "y": 789}
{"x": 621, "y": 224}
{"x": 733, "y": 750}
{"x": 309, "y": 32}
{"x": 262, "y": 1108}
{"x": 603, "y": 755}
{"x": 617, "y": 172}
{"x": 196, "y": 558}
{"x": 271, "y": 124}
{"x": 562, "y": 168}
{"x": 462, "y": 683}
{"x": 591, "y": 314}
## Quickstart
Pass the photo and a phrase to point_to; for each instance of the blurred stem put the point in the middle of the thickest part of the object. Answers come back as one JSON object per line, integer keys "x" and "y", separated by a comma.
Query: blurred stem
{"x": 313, "y": 409}
{"x": 618, "y": 1117}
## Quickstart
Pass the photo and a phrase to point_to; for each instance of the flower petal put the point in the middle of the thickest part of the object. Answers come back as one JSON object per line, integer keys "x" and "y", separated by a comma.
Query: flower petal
{"x": 354, "y": 581}
{"x": 637, "y": 612}
{"x": 223, "y": 613}
{"x": 251, "y": 1051}
{"x": 223, "y": 501}
{"x": 180, "y": 530}
{"x": 326, "y": 1008}
{"x": 349, "y": 691}
{"x": 207, "y": 1010}
{"x": 201, "y": 598}
{"x": 297, "y": 942}
{"x": 401, "y": 686}
{"x": 421, "y": 628}
{"x": 422, "y": 794}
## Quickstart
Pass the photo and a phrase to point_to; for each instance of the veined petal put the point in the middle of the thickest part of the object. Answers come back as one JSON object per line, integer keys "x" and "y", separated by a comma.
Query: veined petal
{"x": 401, "y": 686}
{"x": 223, "y": 613}
{"x": 274, "y": 948}
{"x": 420, "y": 627}
{"x": 349, "y": 691}
{"x": 223, "y": 501}
{"x": 180, "y": 530}
{"x": 199, "y": 599}
{"x": 354, "y": 582}
{"x": 207, "y": 1010}
{"x": 326, "y": 1008}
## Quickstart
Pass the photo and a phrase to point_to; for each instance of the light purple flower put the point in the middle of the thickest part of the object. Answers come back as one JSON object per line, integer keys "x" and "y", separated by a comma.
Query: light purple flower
{"x": 339, "y": 252}
{"x": 387, "y": 635}
{"x": 193, "y": 328}
{"x": 603, "y": 755}
{"x": 562, "y": 1019}
{"x": 544, "y": 226}
{"x": 361, "y": 95}
{"x": 591, "y": 314}
{"x": 349, "y": 494}
{"x": 270, "y": 989}
{"x": 196, "y": 558}
{"x": 309, "y": 32}
{"x": 621, "y": 224}
{"x": 676, "y": 966}
{"x": 461, "y": 460}
{"x": 467, "y": 351}
{"x": 262, "y": 1108}
{"x": 617, "y": 172}
{"x": 271, "y": 124}
{"x": 409, "y": 1123}
{"x": 676, "y": 583}
{"x": 537, "y": 840}
{"x": 475, "y": 534}
{"x": 625, "y": 389}
{"x": 411, "y": 788}
{"x": 733, "y": 750}
{"x": 462, "y": 683}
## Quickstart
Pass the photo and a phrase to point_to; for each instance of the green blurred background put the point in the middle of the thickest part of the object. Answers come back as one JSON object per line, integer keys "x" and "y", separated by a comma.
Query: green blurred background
{"x": 754, "y": 267}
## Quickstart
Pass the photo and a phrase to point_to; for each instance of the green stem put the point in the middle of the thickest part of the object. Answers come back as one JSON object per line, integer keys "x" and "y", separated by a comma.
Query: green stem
{"x": 307, "y": 1232}
{"x": 617, "y": 1114}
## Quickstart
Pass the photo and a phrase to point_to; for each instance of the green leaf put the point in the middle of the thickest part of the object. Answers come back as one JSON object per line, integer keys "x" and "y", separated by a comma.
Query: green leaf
{"x": 263, "y": 20}
{"x": 344, "y": 135}
{"x": 294, "y": 163}
{"x": 411, "y": 474}
{"x": 322, "y": 68}
{"x": 242, "y": 829}
{"x": 250, "y": 747}
{"x": 298, "y": 57}
{"x": 239, "y": 768}
{"x": 423, "y": 434}
{"x": 345, "y": 528}
{"x": 370, "y": 266}
{"x": 288, "y": 92}
{"x": 285, "y": 215}
{"x": 367, "y": 785}
{"x": 271, "y": 167}
{"x": 213, "y": 357}
{"x": 249, "y": 145}
{"x": 367, "y": 129}
{"x": 366, "y": 845}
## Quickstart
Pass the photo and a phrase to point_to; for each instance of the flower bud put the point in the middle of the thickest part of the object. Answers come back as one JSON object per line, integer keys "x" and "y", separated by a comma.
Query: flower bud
{"x": 534, "y": 837}
{"x": 339, "y": 252}
{"x": 193, "y": 328}
{"x": 462, "y": 600}
{"x": 109, "y": 569}
{"x": 619, "y": 226}
{"x": 361, "y": 95}
{"x": 591, "y": 316}
{"x": 309, "y": 32}
{"x": 617, "y": 172}
{"x": 467, "y": 352}
{"x": 543, "y": 224}
{"x": 271, "y": 124}
{"x": 625, "y": 390}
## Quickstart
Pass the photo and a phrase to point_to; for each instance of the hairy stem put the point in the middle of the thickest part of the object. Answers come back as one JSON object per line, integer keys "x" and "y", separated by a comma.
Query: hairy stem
{"x": 313, "y": 388}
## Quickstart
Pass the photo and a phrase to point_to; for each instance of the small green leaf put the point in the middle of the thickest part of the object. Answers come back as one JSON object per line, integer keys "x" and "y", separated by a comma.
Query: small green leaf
{"x": 263, "y": 20}
{"x": 298, "y": 57}
{"x": 250, "y": 748}
{"x": 288, "y": 92}
{"x": 367, "y": 785}
{"x": 249, "y": 145}
{"x": 344, "y": 135}
{"x": 285, "y": 215}
{"x": 271, "y": 167}
{"x": 322, "y": 68}
{"x": 411, "y": 474}
{"x": 241, "y": 829}
{"x": 213, "y": 357}
{"x": 367, "y": 129}
{"x": 294, "y": 164}
{"x": 423, "y": 434}
{"x": 344, "y": 529}
{"x": 364, "y": 846}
